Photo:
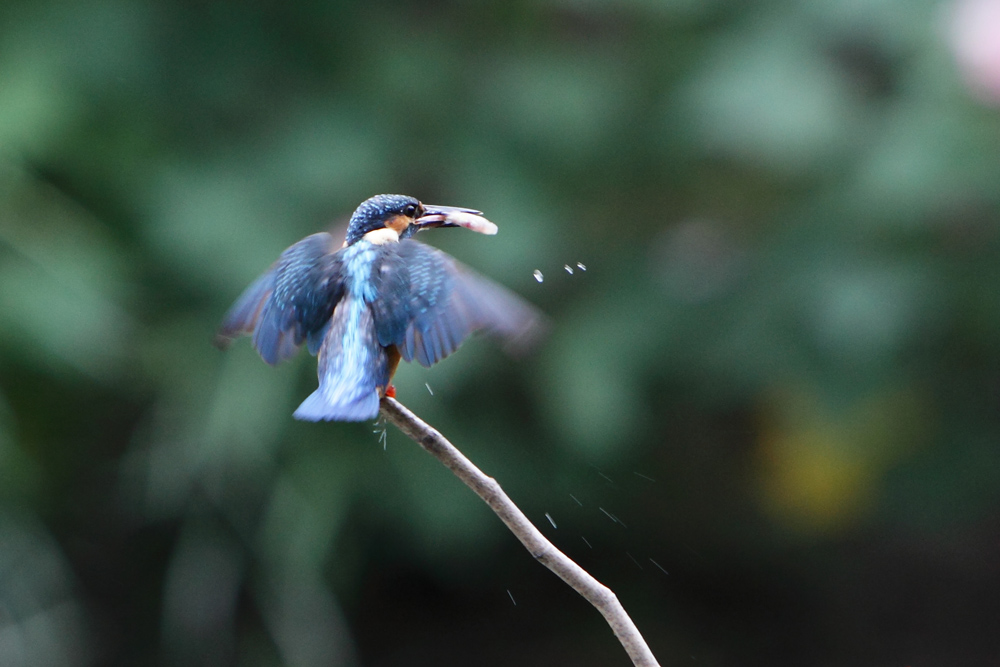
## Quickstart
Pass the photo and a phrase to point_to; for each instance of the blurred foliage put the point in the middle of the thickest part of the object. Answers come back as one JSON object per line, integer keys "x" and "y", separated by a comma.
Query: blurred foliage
{"x": 777, "y": 380}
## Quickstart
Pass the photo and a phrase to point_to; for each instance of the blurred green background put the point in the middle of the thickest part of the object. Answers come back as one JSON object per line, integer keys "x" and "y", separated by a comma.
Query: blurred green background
{"x": 779, "y": 373}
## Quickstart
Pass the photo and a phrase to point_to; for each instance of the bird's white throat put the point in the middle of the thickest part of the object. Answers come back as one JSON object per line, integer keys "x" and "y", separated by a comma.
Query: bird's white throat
{"x": 382, "y": 236}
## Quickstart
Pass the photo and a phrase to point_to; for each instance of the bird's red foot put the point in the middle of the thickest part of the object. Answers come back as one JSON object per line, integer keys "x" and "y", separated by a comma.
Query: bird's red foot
{"x": 390, "y": 391}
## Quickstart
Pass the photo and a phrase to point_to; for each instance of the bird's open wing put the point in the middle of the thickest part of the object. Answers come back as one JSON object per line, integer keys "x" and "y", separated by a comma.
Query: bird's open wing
{"x": 289, "y": 304}
{"x": 429, "y": 303}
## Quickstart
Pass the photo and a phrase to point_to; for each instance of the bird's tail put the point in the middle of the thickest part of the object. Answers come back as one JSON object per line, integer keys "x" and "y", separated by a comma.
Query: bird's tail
{"x": 352, "y": 365}
{"x": 317, "y": 408}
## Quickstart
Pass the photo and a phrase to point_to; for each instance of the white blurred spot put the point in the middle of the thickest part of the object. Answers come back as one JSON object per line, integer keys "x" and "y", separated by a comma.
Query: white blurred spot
{"x": 580, "y": 266}
{"x": 538, "y": 275}
{"x": 511, "y": 597}
{"x": 569, "y": 269}
{"x": 973, "y": 33}
{"x": 429, "y": 390}
{"x": 551, "y": 520}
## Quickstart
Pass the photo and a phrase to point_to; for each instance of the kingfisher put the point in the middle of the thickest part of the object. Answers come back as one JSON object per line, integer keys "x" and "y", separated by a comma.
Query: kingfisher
{"x": 380, "y": 297}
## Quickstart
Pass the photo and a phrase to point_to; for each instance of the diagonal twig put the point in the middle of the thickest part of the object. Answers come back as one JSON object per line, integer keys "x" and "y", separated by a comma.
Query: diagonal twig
{"x": 544, "y": 551}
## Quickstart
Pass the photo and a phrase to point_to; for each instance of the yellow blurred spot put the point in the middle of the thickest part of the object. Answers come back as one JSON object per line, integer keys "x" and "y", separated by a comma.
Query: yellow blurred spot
{"x": 818, "y": 468}
{"x": 809, "y": 482}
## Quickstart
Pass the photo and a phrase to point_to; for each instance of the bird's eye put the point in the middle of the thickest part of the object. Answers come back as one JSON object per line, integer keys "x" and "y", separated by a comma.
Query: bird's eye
{"x": 410, "y": 211}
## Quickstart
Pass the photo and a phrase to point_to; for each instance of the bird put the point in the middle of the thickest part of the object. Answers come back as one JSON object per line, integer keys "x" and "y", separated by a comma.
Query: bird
{"x": 379, "y": 298}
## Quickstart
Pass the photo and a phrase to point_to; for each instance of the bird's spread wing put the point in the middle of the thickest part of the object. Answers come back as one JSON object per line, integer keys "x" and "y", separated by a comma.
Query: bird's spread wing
{"x": 291, "y": 303}
{"x": 429, "y": 303}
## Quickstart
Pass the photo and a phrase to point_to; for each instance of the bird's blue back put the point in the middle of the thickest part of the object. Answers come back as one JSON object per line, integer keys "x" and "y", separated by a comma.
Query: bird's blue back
{"x": 351, "y": 362}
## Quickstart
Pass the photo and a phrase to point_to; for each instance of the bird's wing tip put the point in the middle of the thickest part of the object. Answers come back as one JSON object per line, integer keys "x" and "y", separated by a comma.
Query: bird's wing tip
{"x": 223, "y": 340}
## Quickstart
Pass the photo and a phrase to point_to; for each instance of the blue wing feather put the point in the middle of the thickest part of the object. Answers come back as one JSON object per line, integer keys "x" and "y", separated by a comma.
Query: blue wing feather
{"x": 429, "y": 303}
{"x": 291, "y": 303}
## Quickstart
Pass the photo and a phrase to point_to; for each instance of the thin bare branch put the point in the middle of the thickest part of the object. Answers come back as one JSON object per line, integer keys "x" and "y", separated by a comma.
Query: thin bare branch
{"x": 544, "y": 551}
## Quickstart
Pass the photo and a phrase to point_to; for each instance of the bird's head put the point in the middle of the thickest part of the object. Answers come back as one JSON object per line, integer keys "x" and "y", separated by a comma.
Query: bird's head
{"x": 385, "y": 218}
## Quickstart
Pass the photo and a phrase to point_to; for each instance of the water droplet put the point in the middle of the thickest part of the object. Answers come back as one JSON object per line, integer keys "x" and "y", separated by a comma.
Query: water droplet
{"x": 569, "y": 269}
{"x": 612, "y": 517}
{"x": 659, "y": 566}
{"x": 538, "y": 275}
{"x": 429, "y": 390}
{"x": 551, "y": 520}
{"x": 580, "y": 266}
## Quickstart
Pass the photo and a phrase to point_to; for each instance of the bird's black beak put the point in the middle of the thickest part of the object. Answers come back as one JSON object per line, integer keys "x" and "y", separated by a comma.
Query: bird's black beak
{"x": 453, "y": 216}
